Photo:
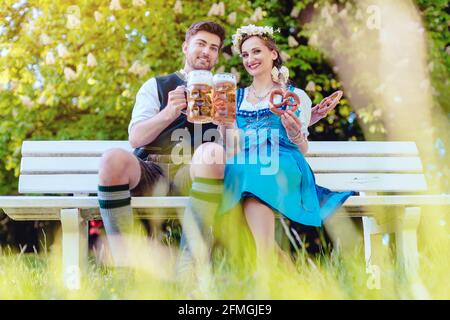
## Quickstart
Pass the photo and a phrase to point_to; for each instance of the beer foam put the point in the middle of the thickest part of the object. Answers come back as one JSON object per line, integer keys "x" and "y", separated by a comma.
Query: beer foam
{"x": 200, "y": 77}
{"x": 224, "y": 77}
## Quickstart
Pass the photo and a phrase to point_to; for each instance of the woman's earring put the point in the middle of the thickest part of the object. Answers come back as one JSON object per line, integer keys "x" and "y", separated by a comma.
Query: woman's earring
{"x": 275, "y": 74}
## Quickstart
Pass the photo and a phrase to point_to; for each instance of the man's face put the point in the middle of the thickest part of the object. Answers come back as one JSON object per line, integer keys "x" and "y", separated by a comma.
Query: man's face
{"x": 202, "y": 50}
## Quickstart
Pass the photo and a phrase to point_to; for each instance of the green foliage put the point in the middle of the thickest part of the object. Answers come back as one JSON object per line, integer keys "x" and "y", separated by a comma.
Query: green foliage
{"x": 71, "y": 70}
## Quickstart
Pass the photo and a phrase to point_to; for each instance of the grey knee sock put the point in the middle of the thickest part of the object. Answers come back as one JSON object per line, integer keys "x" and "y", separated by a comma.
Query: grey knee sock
{"x": 117, "y": 215}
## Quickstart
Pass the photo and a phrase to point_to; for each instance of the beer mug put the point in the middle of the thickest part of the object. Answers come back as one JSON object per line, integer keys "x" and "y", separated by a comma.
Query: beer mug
{"x": 199, "y": 91}
{"x": 224, "y": 98}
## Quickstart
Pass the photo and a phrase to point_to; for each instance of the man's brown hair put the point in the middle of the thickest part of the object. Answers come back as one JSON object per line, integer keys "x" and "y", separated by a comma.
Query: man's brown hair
{"x": 207, "y": 26}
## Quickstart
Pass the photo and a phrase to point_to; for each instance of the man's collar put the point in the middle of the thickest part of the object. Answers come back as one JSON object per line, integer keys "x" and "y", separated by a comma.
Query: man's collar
{"x": 182, "y": 74}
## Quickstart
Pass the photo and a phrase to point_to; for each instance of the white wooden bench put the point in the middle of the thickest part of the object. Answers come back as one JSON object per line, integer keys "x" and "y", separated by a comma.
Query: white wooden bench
{"x": 69, "y": 169}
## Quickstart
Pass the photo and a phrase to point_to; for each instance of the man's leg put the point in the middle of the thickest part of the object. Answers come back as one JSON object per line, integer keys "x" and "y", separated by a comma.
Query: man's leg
{"x": 118, "y": 173}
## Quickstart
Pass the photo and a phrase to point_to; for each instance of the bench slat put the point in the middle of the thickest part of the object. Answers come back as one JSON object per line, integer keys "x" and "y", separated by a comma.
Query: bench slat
{"x": 67, "y": 148}
{"x": 48, "y": 207}
{"x": 316, "y": 148}
{"x": 71, "y": 165}
{"x": 86, "y": 202}
{"x": 87, "y": 183}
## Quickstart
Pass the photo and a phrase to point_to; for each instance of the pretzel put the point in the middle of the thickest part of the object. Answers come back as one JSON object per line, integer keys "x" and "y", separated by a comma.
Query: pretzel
{"x": 331, "y": 101}
{"x": 286, "y": 101}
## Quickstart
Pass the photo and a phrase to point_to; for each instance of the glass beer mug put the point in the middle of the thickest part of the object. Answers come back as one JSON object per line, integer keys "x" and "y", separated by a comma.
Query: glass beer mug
{"x": 199, "y": 96}
{"x": 224, "y": 98}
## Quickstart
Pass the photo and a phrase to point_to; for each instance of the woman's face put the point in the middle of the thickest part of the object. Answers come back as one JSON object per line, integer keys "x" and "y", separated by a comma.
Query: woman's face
{"x": 257, "y": 57}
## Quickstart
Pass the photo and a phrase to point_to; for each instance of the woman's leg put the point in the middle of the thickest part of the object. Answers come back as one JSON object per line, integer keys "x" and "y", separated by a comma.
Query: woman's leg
{"x": 261, "y": 221}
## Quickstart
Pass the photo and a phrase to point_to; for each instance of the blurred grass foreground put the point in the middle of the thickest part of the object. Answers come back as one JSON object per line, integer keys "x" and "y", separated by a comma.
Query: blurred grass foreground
{"x": 330, "y": 274}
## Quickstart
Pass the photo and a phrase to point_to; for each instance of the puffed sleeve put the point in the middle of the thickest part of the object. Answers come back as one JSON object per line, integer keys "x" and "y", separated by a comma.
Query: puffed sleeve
{"x": 305, "y": 110}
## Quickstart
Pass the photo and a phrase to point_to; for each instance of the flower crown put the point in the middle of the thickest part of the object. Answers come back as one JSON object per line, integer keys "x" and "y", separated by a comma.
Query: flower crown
{"x": 250, "y": 30}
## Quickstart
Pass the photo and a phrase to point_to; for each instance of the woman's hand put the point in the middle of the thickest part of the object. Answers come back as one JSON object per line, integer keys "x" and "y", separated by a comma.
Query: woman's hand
{"x": 321, "y": 110}
{"x": 291, "y": 123}
{"x": 293, "y": 127}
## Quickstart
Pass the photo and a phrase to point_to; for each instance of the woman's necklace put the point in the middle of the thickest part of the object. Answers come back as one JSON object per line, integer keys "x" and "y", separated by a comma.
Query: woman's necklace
{"x": 264, "y": 96}
{"x": 260, "y": 99}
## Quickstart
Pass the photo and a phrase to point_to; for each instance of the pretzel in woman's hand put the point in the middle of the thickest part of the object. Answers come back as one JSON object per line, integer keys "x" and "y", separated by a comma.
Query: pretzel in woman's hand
{"x": 289, "y": 99}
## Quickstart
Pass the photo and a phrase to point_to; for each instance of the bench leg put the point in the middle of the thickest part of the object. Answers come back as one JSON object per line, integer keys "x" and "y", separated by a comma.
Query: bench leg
{"x": 406, "y": 240}
{"x": 74, "y": 247}
{"x": 376, "y": 252}
{"x": 374, "y": 249}
{"x": 407, "y": 253}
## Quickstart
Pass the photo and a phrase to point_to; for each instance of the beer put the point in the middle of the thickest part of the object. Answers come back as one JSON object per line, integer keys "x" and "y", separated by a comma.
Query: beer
{"x": 199, "y": 96}
{"x": 224, "y": 98}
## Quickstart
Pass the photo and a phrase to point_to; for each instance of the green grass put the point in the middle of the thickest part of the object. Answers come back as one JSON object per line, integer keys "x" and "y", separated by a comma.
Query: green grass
{"x": 329, "y": 275}
{"x": 32, "y": 276}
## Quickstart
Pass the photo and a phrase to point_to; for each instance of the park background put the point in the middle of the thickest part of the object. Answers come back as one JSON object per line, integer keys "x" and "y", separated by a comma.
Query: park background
{"x": 70, "y": 70}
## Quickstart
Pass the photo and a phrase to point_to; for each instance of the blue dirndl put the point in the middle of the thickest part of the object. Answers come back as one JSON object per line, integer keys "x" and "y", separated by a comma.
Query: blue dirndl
{"x": 271, "y": 169}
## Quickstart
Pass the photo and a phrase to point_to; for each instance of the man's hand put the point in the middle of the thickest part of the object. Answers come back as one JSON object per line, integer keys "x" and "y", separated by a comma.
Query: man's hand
{"x": 177, "y": 102}
{"x": 321, "y": 110}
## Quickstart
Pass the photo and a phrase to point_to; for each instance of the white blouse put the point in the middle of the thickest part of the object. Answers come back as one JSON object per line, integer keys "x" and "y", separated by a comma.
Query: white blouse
{"x": 305, "y": 106}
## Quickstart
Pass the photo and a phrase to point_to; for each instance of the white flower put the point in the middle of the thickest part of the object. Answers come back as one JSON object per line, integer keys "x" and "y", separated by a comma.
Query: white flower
{"x": 138, "y": 3}
{"x": 257, "y": 15}
{"x": 292, "y": 42}
{"x": 295, "y": 12}
{"x": 14, "y": 85}
{"x": 98, "y": 16}
{"x": 236, "y": 74}
{"x": 26, "y": 101}
{"x": 178, "y": 7}
{"x": 139, "y": 69}
{"x": 45, "y": 39}
{"x": 62, "y": 51}
{"x": 123, "y": 61}
{"x": 115, "y": 5}
{"x": 232, "y": 18}
{"x": 91, "y": 61}
{"x": 221, "y": 9}
{"x": 226, "y": 56}
{"x": 220, "y": 69}
{"x": 285, "y": 56}
{"x": 69, "y": 74}
{"x": 217, "y": 9}
{"x": 73, "y": 21}
{"x": 250, "y": 30}
{"x": 42, "y": 99}
{"x": 314, "y": 40}
{"x": 49, "y": 58}
{"x": 311, "y": 86}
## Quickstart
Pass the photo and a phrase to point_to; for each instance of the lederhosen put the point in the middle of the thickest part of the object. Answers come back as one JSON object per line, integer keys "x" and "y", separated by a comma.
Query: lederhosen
{"x": 154, "y": 158}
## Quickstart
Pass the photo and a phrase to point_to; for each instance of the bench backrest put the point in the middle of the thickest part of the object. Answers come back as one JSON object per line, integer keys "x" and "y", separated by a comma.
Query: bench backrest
{"x": 71, "y": 167}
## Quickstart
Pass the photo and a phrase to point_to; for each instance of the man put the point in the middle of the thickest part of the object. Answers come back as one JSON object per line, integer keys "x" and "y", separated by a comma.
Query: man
{"x": 156, "y": 115}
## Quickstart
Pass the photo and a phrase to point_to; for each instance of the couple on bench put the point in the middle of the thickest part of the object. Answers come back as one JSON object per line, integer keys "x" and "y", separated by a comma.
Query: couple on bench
{"x": 216, "y": 179}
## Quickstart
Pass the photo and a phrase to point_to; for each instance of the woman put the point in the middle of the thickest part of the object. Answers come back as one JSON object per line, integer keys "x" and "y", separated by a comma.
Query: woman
{"x": 270, "y": 173}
